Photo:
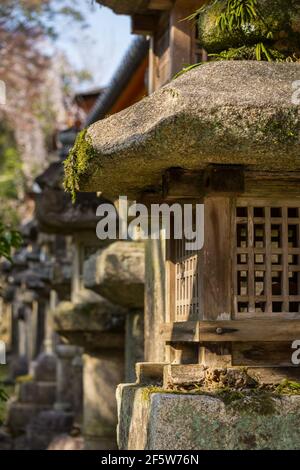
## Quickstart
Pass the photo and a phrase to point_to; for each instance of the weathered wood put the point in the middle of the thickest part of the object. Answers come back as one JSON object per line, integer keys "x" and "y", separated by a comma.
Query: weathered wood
{"x": 216, "y": 267}
{"x": 170, "y": 281}
{"x": 181, "y": 34}
{"x": 224, "y": 179}
{"x": 262, "y": 354}
{"x": 215, "y": 354}
{"x": 270, "y": 376}
{"x": 183, "y": 184}
{"x": 162, "y": 5}
{"x": 187, "y": 375}
{"x": 275, "y": 330}
{"x": 272, "y": 184}
{"x": 160, "y": 53}
{"x": 181, "y": 331}
{"x": 143, "y": 24}
{"x": 179, "y": 183}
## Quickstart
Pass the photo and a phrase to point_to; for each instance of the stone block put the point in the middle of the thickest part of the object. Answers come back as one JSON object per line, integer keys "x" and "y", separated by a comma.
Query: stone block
{"x": 100, "y": 378}
{"x": 168, "y": 421}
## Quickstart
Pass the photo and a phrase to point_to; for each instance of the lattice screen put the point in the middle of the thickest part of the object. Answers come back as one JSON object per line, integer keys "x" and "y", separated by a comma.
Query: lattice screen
{"x": 187, "y": 282}
{"x": 266, "y": 258}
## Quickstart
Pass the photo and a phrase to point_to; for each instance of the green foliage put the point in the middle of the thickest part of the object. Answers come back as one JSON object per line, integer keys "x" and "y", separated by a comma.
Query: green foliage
{"x": 3, "y": 395}
{"x": 9, "y": 239}
{"x": 239, "y": 16}
{"x": 236, "y": 14}
{"x": 250, "y": 53}
{"x": 11, "y": 177}
{"x": 187, "y": 68}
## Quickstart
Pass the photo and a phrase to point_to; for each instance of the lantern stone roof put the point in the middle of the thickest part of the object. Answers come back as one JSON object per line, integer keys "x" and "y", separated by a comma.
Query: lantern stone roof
{"x": 226, "y": 112}
{"x": 54, "y": 210}
{"x": 118, "y": 273}
{"x": 92, "y": 325}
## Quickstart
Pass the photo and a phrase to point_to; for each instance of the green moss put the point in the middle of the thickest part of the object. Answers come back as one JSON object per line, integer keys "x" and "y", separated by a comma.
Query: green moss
{"x": 248, "y": 402}
{"x": 282, "y": 128}
{"x": 24, "y": 379}
{"x": 288, "y": 387}
{"x": 221, "y": 25}
{"x": 77, "y": 162}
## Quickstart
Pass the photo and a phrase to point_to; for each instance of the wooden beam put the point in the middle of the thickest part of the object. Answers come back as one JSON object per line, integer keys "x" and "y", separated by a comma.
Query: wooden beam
{"x": 273, "y": 330}
{"x": 187, "y": 331}
{"x": 183, "y": 375}
{"x": 144, "y": 24}
{"x": 162, "y": 5}
{"x": 183, "y": 184}
{"x": 277, "y": 354}
{"x": 248, "y": 330}
{"x": 224, "y": 179}
{"x": 179, "y": 183}
{"x": 221, "y": 180}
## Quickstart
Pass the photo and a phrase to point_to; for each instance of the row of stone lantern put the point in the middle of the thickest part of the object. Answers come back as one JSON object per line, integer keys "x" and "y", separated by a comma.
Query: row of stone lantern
{"x": 93, "y": 316}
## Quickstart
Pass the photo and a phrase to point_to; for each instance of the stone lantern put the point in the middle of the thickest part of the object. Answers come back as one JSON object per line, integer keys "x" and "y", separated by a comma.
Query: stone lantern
{"x": 225, "y": 135}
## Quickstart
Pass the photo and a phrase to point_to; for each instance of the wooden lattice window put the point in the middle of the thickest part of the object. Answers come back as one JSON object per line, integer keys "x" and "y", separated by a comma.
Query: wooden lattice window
{"x": 183, "y": 281}
{"x": 266, "y": 268}
{"x": 187, "y": 285}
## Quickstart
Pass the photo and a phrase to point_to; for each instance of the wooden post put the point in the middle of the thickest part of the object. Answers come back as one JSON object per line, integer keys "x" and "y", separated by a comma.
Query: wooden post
{"x": 216, "y": 275}
{"x": 182, "y": 34}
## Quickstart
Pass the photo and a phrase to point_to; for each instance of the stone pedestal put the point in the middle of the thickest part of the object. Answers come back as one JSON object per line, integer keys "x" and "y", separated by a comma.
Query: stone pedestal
{"x": 166, "y": 421}
{"x": 155, "y": 305}
{"x": 98, "y": 328}
{"x": 134, "y": 342}
{"x": 102, "y": 373}
{"x": 65, "y": 377}
{"x": 118, "y": 273}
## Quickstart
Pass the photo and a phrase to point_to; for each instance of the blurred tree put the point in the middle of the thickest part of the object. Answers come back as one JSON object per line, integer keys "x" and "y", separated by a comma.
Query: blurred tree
{"x": 9, "y": 239}
{"x": 34, "y": 87}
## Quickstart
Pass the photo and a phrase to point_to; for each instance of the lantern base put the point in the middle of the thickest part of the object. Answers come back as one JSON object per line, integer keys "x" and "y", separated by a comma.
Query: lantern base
{"x": 153, "y": 419}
